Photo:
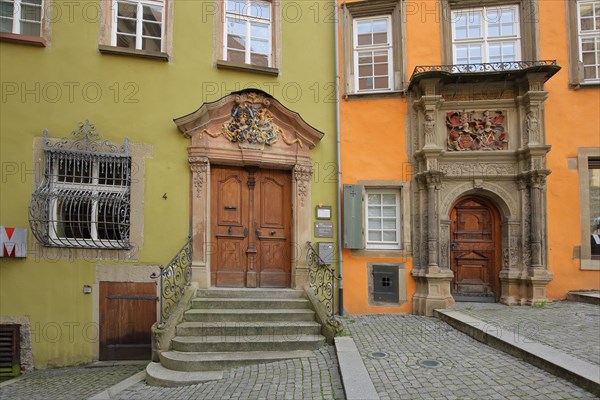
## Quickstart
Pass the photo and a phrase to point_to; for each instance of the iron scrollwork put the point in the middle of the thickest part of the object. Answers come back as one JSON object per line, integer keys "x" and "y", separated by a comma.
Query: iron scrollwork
{"x": 480, "y": 68}
{"x": 174, "y": 278}
{"x": 321, "y": 280}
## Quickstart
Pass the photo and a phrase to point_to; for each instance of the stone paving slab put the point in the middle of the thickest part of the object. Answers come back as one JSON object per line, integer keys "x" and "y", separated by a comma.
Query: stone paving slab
{"x": 573, "y": 328}
{"x": 72, "y": 383}
{"x": 315, "y": 377}
{"x": 469, "y": 369}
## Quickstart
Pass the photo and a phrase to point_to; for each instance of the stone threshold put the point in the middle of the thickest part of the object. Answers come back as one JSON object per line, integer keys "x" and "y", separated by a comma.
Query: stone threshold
{"x": 588, "y": 296}
{"x": 556, "y": 362}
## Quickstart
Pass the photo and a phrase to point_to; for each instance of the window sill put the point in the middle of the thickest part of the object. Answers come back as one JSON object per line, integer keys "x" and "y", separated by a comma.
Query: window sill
{"x": 122, "y": 51}
{"x": 590, "y": 265}
{"x": 222, "y": 64}
{"x": 583, "y": 85}
{"x": 37, "y": 41}
{"x": 375, "y": 95}
{"x": 381, "y": 253}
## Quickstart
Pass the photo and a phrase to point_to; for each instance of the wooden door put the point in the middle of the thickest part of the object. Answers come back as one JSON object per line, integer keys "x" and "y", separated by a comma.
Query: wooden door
{"x": 127, "y": 312}
{"x": 251, "y": 227}
{"x": 475, "y": 250}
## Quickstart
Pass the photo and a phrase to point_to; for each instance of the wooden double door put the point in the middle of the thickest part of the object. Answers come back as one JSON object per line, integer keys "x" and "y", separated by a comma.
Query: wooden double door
{"x": 251, "y": 216}
{"x": 475, "y": 250}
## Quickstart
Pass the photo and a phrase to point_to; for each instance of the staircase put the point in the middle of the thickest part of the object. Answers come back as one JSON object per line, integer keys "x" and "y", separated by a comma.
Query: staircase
{"x": 227, "y": 328}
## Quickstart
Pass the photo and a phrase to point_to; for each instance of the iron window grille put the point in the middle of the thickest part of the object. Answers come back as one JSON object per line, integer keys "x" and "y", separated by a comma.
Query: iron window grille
{"x": 83, "y": 199}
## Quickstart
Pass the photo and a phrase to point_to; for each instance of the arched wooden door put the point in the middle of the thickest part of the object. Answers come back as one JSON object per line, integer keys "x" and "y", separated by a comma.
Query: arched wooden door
{"x": 476, "y": 245}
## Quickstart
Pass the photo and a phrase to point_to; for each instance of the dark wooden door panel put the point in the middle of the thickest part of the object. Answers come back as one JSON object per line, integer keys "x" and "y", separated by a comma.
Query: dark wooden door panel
{"x": 251, "y": 225}
{"x": 475, "y": 235}
{"x": 229, "y": 226}
{"x": 127, "y": 312}
{"x": 274, "y": 227}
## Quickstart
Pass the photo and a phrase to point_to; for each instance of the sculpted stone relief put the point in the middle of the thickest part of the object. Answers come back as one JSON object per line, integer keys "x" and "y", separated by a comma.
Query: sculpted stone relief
{"x": 251, "y": 122}
{"x": 476, "y": 131}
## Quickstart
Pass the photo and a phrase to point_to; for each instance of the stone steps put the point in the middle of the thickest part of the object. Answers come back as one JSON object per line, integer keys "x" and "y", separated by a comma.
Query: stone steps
{"x": 246, "y": 343}
{"x": 250, "y": 328}
{"x": 247, "y": 315}
{"x": 214, "y": 361}
{"x": 248, "y": 303}
{"x": 226, "y": 328}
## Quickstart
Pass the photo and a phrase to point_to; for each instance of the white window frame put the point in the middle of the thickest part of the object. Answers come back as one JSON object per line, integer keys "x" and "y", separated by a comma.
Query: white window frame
{"x": 381, "y": 244}
{"x": 93, "y": 187}
{"x": 139, "y": 21}
{"x": 594, "y": 34}
{"x": 485, "y": 40}
{"x": 379, "y": 47}
{"x": 16, "y": 17}
{"x": 248, "y": 19}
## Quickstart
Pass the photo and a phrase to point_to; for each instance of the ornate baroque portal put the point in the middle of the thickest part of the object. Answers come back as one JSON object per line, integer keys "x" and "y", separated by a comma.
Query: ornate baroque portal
{"x": 479, "y": 131}
{"x": 248, "y": 129}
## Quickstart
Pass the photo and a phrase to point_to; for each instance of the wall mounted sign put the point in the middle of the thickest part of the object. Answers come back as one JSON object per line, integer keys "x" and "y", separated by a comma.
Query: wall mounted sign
{"x": 13, "y": 242}
{"x": 323, "y": 212}
{"x": 324, "y": 229}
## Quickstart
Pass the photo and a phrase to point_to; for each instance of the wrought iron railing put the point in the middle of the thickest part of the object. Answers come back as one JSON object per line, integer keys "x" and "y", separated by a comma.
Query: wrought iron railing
{"x": 322, "y": 281}
{"x": 174, "y": 278}
{"x": 483, "y": 67}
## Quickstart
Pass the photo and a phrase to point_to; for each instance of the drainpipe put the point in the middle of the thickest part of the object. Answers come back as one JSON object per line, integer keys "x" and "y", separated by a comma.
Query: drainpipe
{"x": 338, "y": 154}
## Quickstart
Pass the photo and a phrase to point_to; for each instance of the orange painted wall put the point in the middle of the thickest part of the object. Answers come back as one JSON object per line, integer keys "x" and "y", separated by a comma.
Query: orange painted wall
{"x": 572, "y": 121}
{"x": 373, "y": 147}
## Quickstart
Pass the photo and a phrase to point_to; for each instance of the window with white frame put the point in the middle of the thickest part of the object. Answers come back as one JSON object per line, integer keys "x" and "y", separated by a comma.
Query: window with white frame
{"x": 373, "y": 59}
{"x": 247, "y": 36}
{"x": 588, "y": 32}
{"x": 486, "y": 35}
{"x": 382, "y": 218}
{"x": 138, "y": 25}
{"x": 23, "y": 17}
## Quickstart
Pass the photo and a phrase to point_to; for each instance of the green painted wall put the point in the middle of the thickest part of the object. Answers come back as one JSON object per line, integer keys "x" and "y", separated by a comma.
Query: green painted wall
{"x": 56, "y": 87}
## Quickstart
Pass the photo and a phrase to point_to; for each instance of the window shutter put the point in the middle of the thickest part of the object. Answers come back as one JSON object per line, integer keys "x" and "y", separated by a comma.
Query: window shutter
{"x": 353, "y": 218}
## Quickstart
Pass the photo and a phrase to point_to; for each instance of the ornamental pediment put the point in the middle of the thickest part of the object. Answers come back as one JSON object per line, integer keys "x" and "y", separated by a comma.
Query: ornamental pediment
{"x": 249, "y": 119}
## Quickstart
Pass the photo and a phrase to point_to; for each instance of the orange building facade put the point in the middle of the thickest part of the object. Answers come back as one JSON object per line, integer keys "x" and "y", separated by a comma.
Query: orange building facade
{"x": 470, "y": 148}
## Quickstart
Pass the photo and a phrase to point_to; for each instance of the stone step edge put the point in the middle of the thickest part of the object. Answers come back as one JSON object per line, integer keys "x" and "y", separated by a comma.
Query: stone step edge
{"x": 250, "y": 299}
{"x": 554, "y": 361}
{"x": 157, "y": 375}
{"x": 249, "y": 311}
{"x": 249, "y": 339}
{"x": 259, "y": 356}
{"x": 249, "y": 324}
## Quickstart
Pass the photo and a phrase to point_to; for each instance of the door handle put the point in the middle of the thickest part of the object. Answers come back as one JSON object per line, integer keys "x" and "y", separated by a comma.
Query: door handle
{"x": 273, "y": 232}
{"x": 257, "y": 232}
{"x": 230, "y": 208}
{"x": 453, "y": 245}
{"x": 229, "y": 231}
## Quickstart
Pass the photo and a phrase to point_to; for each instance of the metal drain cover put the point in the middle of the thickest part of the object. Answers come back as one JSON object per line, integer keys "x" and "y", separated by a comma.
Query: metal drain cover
{"x": 378, "y": 355}
{"x": 430, "y": 363}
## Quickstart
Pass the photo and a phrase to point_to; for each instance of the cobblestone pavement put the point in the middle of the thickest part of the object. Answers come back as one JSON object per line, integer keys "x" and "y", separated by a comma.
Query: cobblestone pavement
{"x": 555, "y": 324}
{"x": 315, "y": 377}
{"x": 470, "y": 369}
{"x": 74, "y": 383}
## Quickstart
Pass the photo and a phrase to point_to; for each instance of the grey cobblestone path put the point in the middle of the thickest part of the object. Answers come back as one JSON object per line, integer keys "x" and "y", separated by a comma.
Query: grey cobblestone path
{"x": 470, "y": 369}
{"x": 72, "y": 383}
{"x": 315, "y": 377}
{"x": 555, "y": 324}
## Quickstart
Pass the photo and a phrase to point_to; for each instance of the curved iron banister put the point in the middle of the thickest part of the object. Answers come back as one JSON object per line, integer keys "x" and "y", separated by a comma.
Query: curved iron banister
{"x": 321, "y": 279}
{"x": 174, "y": 277}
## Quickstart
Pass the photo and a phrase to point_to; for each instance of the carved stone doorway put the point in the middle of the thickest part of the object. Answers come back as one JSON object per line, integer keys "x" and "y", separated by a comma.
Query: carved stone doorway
{"x": 475, "y": 250}
{"x": 253, "y": 131}
{"x": 251, "y": 227}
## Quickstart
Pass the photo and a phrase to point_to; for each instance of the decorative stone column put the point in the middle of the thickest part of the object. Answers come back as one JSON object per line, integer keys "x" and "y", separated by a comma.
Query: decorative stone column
{"x": 538, "y": 275}
{"x": 301, "y": 193}
{"x": 201, "y": 247}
